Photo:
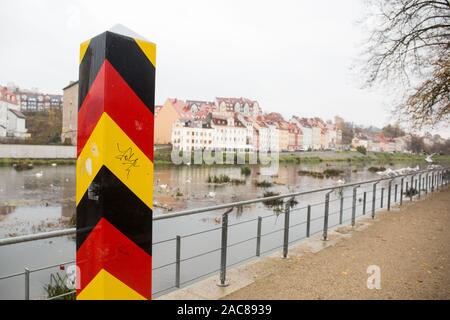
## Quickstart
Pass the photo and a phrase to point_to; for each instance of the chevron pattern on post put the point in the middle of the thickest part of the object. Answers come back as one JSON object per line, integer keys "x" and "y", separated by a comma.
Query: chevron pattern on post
{"x": 114, "y": 193}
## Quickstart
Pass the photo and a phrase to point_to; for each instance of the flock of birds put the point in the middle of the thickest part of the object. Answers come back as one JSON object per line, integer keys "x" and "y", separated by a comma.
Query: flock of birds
{"x": 403, "y": 171}
{"x": 394, "y": 173}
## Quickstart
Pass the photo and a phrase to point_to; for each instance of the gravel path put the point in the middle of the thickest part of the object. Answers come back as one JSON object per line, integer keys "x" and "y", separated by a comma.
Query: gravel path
{"x": 410, "y": 245}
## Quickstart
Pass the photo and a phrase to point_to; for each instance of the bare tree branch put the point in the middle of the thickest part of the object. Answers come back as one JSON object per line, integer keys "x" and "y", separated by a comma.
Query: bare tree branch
{"x": 410, "y": 40}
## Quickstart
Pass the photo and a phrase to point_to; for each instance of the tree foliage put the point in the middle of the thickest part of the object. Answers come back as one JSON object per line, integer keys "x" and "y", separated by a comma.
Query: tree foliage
{"x": 44, "y": 127}
{"x": 361, "y": 149}
{"x": 409, "y": 43}
{"x": 347, "y": 133}
{"x": 393, "y": 131}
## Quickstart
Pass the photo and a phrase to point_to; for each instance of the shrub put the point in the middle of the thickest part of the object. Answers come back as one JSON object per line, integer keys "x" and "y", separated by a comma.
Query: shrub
{"x": 246, "y": 171}
{"x": 313, "y": 174}
{"x": 218, "y": 179}
{"x": 237, "y": 181}
{"x": 264, "y": 184}
{"x": 361, "y": 149}
{"x": 57, "y": 287}
{"x": 332, "y": 172}
{"x": 272, "y": 203}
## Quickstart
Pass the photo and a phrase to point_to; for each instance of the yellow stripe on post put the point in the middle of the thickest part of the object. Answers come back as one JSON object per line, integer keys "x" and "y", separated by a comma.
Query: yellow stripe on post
{"x": 120, "y": 155}
{"x": 83, "y": 48}
{"x": 149, "y": 50}
{"x": 107, "y": 287}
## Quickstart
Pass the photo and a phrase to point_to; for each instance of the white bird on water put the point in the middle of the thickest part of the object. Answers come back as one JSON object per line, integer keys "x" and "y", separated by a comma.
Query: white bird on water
{"x": 211, "y": 194}
{"x": 429, "y": 158}
{"x": 39, "y": 174}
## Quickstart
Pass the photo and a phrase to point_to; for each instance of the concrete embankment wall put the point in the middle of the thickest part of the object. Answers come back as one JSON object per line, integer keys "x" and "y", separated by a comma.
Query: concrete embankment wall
{"x": 21, "y": 151}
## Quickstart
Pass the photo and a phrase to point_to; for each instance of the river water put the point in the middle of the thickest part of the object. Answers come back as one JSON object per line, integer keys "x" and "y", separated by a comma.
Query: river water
{"x": 43, "y": 199}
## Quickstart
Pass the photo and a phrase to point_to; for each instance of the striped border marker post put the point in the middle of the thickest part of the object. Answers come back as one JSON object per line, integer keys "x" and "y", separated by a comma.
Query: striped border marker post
{"x": 114, "y": 187}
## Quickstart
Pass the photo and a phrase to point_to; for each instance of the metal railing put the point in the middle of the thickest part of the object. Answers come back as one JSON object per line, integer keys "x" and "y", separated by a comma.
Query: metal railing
{"x": 426, "y": 181}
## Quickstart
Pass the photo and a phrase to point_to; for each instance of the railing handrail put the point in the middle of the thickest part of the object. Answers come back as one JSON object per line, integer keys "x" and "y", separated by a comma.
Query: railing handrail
{"x": 72, "y": 231}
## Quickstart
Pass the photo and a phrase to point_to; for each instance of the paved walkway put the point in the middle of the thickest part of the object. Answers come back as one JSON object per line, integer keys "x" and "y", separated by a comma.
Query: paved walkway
{"x": 411, "y": 245}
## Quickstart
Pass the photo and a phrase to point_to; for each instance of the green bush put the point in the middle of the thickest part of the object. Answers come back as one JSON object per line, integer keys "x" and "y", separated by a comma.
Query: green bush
{"x": 264, "y": 184}
{"x": 332, "y": 172}
{"x": 313, "y": 174}
{"x": 361, "y": 149}
{"x": 218, "y": 179}
{"x": 57, "y": 287}
{"x": 272, "y": 203}
{"x": 237, "y": 181}
{"x": 246, "y": 171}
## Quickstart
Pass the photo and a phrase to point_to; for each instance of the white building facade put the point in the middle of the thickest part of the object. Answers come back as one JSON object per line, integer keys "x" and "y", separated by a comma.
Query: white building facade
{"x": 12, "y": 121}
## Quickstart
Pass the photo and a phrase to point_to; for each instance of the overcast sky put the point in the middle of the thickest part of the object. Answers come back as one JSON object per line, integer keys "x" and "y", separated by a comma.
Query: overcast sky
{"x": 294, "y": 57}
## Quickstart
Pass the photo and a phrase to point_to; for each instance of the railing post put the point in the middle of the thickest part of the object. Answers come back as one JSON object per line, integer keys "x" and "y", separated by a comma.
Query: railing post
{"x": 411, "y": 189}
{"x": 341, "y": 209}
{"x": 437, "y": 180}
{"x": 325, "y": 219}
{"x": 223, "y": 251}
{"x": 401, "y": 192}
{"x": 287, "y": 210}
{"x": 178, "y": 262}
{"x": 426, "y": 183}
{"x": 396, "y": 191}
{"x": 407, "y": 187}
{"x": 258, "y": 237}
{"x": 364, "y": 203}
{"x": 432, "y": 181}
{"x": 389, "y": 195}
{"x": 354, "y": 206}
{"x": 382, "y": 197}
{"x": 308, "y": 221}
{"x": 27, "y": 284}
{"x": 374, "y": 199}
{"x": 440, "y": 178}
{"x": 420, "y": 184}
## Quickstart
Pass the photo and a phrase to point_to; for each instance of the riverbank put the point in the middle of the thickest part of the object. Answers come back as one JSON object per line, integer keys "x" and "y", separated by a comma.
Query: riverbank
{"x": 411, "y": 246}
{"x": 35, "y": 162}
{"x": 163, "y": 157}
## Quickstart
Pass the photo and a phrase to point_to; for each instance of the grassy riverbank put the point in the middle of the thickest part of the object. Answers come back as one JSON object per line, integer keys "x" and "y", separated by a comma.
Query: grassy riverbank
{"x": 35, "y": 162}
{"x": 351, "y": 156}
{"x": 163, "y": 157}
